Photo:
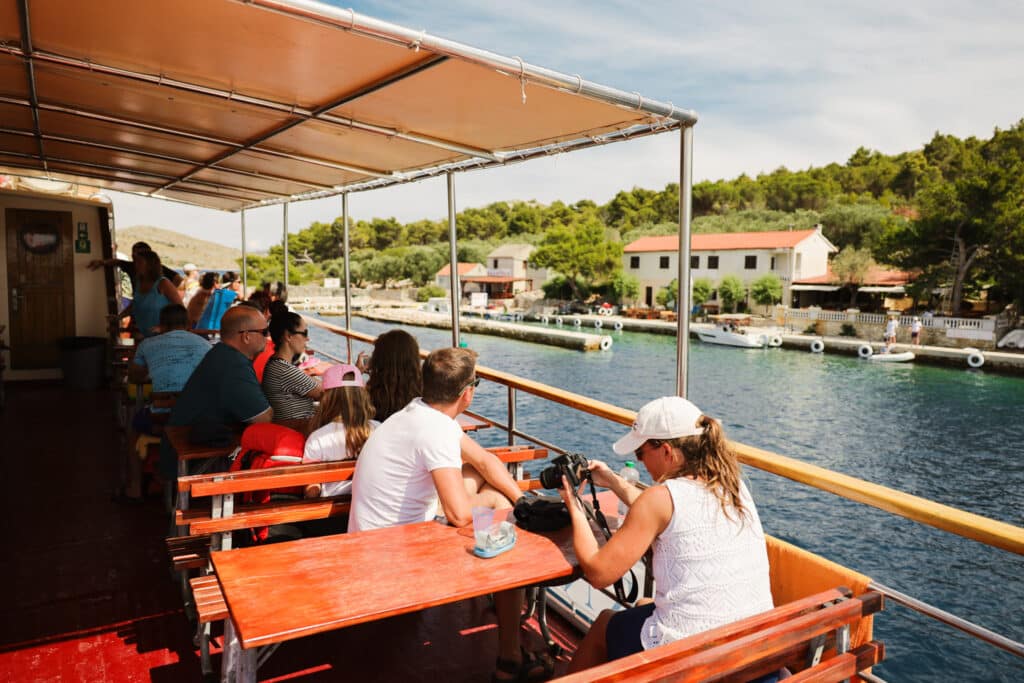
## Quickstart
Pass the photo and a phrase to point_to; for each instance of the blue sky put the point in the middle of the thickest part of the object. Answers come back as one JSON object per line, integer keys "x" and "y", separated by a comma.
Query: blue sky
{"x": 775, "y": 84}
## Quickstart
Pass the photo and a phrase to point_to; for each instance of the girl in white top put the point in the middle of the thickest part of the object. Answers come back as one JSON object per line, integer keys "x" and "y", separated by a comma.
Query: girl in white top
{"x": 340, "y": 426}
{"x": 710, "y": 564}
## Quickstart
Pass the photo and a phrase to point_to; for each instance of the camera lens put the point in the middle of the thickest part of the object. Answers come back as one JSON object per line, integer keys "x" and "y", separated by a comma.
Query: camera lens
{"x": 551, "y": 477}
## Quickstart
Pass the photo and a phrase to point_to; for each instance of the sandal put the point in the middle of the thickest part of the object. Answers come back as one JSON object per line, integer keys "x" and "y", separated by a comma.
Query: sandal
{"x": 532, "y": 667}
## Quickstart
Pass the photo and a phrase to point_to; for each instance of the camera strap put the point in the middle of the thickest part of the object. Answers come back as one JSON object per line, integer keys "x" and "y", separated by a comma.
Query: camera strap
{"x": 602, "y": 523}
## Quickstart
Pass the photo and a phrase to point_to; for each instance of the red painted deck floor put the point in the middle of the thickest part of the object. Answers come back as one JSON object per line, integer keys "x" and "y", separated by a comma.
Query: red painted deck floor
{"x": 87, "y": 591}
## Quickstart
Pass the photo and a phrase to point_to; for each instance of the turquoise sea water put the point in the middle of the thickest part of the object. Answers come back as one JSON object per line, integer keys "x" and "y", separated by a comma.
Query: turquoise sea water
{"x": 953, "y": 436}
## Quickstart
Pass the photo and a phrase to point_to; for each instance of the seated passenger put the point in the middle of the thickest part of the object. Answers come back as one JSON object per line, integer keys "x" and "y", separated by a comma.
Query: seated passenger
{"x": 410, "y": 470}
{"x": 340, "y": 426}
{"x": 291, "y": 392}
{"x": 169, "y": 358}
{"x": 396, "y": 379}
{"x": 222, "y": 390}
{"x": 710, "y": 564}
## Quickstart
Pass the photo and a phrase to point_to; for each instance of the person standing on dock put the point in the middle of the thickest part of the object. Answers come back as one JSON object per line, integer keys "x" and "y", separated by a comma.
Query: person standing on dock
{"x": 915, "y": 331}
{"x": 890, "y": 331}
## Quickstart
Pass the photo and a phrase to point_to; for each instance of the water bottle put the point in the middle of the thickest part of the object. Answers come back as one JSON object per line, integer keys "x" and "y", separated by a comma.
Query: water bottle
{"x": 631, "y": 474}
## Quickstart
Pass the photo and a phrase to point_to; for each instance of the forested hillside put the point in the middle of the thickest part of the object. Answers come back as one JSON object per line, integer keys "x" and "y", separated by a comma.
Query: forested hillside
{"x": 953, "y": 210}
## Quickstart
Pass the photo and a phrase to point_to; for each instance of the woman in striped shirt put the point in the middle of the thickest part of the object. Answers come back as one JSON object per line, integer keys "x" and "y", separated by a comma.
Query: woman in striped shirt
{"x": 290, "y": 391}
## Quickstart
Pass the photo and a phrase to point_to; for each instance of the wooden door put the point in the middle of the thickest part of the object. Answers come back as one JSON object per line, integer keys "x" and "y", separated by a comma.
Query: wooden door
{"x": 40, "y": 285}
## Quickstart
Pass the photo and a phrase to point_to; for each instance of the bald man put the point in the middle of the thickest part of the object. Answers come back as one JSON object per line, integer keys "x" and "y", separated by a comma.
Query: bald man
{"x": 223, "y": 390}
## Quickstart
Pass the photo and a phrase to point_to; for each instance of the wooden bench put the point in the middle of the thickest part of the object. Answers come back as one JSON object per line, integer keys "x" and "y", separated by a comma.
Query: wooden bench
{"x": 810, "y": 637}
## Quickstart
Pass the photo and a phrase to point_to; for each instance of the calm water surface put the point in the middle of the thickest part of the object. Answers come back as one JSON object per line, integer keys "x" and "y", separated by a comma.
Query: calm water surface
{"x": 956, "y": 437}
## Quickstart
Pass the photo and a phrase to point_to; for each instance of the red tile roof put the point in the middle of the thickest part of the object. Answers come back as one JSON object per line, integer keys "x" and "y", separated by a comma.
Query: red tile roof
{"x": 723, "y": 241}
{"x": 878, "y": 276}
{"x": 464, "y": 268}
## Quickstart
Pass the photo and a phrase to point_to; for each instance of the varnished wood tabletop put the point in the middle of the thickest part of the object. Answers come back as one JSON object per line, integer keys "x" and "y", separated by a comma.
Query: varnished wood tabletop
{"x": 288, "y": 590}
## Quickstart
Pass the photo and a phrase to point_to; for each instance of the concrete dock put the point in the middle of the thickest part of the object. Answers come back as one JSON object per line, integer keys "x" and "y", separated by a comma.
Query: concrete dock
{"x": 571, "y": 338}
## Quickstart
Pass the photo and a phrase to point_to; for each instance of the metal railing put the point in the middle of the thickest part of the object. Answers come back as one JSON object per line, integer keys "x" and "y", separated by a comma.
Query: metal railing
{"x": 965, "y": 524}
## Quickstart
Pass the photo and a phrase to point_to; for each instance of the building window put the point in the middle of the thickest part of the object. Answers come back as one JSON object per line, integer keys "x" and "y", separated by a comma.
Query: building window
{"x": 634, "y": 261}
{"x": 750, "y": 262}
{"x": 712, "y": 263}
{"x": 695, "y": 262}
{"x": 773, "y": 263}
{"x": 495, "y": 263}
{"x": 663, "y": 262}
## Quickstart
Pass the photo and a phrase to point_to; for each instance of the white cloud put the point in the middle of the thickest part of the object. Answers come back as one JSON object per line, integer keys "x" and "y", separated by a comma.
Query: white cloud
{"x": 782, "y": 84}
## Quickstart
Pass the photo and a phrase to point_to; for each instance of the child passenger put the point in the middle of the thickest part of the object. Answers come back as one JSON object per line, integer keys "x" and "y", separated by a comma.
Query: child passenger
{"x": 340, "y": 426}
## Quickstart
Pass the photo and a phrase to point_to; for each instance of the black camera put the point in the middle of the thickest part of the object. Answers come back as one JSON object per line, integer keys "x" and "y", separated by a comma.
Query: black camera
{"x": 573, "y": 466}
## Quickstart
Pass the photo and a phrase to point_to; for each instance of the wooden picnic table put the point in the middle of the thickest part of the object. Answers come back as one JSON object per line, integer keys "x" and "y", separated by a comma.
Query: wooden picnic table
{"x": 321, "y": 584}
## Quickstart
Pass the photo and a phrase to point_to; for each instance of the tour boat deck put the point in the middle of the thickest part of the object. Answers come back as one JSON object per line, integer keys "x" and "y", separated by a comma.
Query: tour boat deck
{"x": 89, "y": 594}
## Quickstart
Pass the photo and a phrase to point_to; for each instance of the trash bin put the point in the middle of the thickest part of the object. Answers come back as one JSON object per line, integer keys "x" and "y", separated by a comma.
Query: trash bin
{"x": 81, "y": 361}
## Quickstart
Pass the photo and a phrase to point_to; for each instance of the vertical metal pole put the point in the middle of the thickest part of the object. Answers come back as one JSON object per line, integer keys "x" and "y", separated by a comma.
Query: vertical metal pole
{"x": 511, "y": 415}
{"x": 285, "y": 243}
{"x": 245, "y": 264}
{"x": 683, "y": 305}
{"x": 453, "y": 260}
{"x": 348, "y": 277}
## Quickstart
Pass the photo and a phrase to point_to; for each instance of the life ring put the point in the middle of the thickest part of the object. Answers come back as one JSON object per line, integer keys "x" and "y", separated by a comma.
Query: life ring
{"x": 775, "y": 341}
{"x": 618, "y": 325}
{"x": 865, "y": 351}
{"x": 306, "y": 301}
{"x": 604, "y": 311}
{"x": 976, "y": 359}
{"x": 576, "y": 322}
{"x": 558, "y": 320}
{"x": 544, "y": 319}
{"x": 817, "y": 346}
{"x": 606, "y": 343}
{"x": 598, "y": 324}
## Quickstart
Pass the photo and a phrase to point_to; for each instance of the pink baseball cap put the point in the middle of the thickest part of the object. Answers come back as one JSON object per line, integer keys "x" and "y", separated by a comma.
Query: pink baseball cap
{"x": 335, "y": 376}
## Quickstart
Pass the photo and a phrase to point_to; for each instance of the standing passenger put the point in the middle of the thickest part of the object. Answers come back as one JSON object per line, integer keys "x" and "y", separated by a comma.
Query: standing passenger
{"x": 153, "y": 291}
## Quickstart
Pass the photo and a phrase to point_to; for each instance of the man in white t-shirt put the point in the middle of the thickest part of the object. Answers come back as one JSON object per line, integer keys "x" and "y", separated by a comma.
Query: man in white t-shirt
{"x": 411, "y": 469}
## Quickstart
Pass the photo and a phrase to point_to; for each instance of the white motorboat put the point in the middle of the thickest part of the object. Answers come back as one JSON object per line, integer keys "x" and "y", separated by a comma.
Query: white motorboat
{"x": 731, "y": 336}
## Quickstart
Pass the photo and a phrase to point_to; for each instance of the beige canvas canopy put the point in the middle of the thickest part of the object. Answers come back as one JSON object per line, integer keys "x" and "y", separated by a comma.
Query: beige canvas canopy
{"x": 231, "y": 105}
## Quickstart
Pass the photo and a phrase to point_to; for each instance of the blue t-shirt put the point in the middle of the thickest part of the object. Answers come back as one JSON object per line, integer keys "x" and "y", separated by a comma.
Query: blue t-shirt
{"x": 220, "y": 301}
{"x": 171, "y": 357}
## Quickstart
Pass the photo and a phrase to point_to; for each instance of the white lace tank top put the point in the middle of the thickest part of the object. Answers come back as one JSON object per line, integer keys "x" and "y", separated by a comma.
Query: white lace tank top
{"x": 709, "y": 569}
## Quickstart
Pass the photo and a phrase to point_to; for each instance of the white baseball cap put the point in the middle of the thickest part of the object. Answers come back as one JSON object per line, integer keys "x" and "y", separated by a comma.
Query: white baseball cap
{"x": 189, "y": 266}
{"x": 670, "y": 417}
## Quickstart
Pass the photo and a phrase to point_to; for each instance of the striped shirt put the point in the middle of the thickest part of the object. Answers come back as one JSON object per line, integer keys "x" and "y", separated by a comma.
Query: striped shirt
{"x": 286, "y": 387}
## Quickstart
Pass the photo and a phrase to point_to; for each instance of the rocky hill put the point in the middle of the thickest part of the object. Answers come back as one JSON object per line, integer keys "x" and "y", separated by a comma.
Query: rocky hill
{"x": 176, "y": 249}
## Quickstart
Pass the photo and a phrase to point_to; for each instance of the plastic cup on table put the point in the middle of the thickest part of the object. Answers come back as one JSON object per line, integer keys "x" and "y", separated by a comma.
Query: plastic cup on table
{"x": 483, "y": 518}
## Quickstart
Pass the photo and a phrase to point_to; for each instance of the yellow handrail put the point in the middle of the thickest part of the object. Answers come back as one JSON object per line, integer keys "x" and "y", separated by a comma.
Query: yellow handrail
{"x": 969, "y": 525}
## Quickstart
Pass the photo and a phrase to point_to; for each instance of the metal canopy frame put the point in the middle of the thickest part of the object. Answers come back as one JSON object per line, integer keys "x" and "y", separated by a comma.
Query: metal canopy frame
{"x": 235, "y": 170}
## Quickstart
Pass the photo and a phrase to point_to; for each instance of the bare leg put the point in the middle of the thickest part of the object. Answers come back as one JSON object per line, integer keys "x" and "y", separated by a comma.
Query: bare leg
{"x": 592, "y": 650}
{"x": 482, "y": 494}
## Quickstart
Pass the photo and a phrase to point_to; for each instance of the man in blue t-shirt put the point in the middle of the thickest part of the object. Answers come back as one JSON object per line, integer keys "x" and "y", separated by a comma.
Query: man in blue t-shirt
{"x": 223, "y": 390}
{"x": 169, "y": 358}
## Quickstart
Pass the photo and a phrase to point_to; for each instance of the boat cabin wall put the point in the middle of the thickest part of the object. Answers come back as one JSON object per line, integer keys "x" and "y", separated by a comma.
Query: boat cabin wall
{"x": 87, "y": 288}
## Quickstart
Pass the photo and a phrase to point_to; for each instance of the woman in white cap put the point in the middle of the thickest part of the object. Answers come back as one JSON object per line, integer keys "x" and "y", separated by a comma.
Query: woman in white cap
{"x": 710, "y": 565}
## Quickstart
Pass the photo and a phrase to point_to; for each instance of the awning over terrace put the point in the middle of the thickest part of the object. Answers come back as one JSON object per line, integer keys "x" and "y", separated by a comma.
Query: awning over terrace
{"x": 231, "y": 105}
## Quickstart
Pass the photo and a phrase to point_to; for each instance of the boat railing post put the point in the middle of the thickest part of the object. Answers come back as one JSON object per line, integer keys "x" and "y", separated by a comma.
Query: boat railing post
{"x": 245, "y": 264}
{"x": 348, "y": 274}
{"x": 284, "y": 241}
{"x": 453, "y": 263}
{"x": 683, "y": 280}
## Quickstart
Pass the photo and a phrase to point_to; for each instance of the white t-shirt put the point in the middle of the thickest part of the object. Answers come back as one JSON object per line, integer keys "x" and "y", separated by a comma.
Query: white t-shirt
{"x": 890, "y": 328}
{"x": 327, "y": 444}
{"x": 392, "y": 484}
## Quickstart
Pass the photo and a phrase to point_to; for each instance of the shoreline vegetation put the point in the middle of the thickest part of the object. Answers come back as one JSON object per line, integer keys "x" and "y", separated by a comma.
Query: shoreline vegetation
{"x": 952, "y": 212}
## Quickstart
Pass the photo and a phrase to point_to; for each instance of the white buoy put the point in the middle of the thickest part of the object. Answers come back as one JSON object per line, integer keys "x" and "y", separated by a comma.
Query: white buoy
{"x": 618, "y": 325}
{"x": 817, "y": 346}
{"x": 598, "y": 324}
{"x": 775, "y": 341}
{"x": 558, "y": 320}
{"x": 975, "y": 358}
{"x": 544, "y": 319}
{"x": 576, "y": 322}
{"x": 606, "y": 343}
{"x": 865, "y": 351}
